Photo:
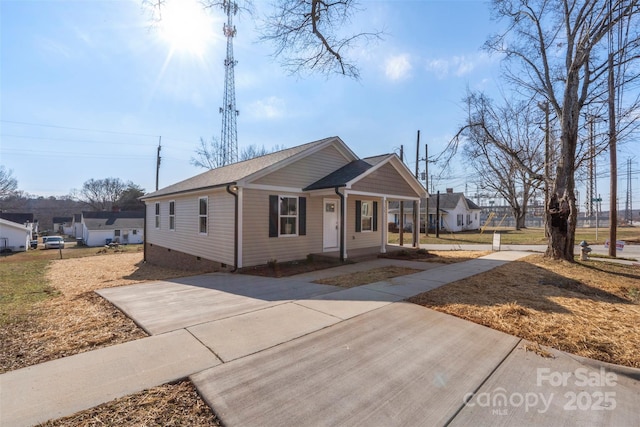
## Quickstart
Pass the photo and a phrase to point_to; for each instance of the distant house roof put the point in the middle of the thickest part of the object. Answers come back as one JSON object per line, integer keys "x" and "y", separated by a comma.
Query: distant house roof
{"x": 450, "y": 201}
{"x": 20, "y": 218}
{"x": 62, "y": 219}
{"x": 232, "y": 173}
{"x": 113, "y": 220}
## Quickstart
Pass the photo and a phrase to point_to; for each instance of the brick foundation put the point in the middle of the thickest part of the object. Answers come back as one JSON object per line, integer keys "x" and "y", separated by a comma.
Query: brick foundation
{"x": 165, "y": 257}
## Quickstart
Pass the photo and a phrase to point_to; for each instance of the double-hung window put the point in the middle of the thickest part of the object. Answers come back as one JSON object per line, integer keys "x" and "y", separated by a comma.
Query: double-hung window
{"x": 203, "y": 214}
{"x": 288, "y": 216}
{"x": 157, "y": 215}
{"x": 366, "y": 215}
{"x": 172, "y": 215}
{"x": 460, "y": 220}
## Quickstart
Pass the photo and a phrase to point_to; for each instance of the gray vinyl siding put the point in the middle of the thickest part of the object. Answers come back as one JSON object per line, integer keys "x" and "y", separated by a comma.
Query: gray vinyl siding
{"x": 363, "y": 239}
{"x": 307, "y": 170}
{"x": 259, "y": 248}
{"x": 216, "y": 245}
{"x": 385, "y": 180}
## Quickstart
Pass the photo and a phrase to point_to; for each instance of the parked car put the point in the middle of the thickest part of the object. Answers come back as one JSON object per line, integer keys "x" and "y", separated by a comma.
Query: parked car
{"x": 54, "y": 242}
{"x": 34, "y": 244}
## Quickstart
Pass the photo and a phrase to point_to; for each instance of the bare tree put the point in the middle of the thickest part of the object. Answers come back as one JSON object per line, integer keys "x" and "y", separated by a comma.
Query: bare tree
{"x": 8, "y": 183}
{"x": 309, "y": 35}
{"x": 554, "y": 50}
{"x": 208, "y": 155}
{"x": 103, "y": 194}
{"x": 505, "y": 147}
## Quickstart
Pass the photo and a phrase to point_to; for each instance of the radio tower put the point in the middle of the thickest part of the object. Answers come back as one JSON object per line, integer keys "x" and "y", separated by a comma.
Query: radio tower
{"x": 229, "y": 137}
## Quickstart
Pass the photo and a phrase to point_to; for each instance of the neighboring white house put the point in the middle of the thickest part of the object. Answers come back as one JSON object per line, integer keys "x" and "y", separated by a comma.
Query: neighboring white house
{"x": 100, "y": 228}
{"x": 457, "y": 213}
{"x": 14, "y": 237}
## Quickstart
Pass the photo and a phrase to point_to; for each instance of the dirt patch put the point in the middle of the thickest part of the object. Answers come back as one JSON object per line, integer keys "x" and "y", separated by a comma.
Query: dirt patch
{"x": 365, "y": 277}
{"x": 77, "y": 319}
{"x": 590, "y": 308}
{"x": 291, "y": 268}
{"x": 442, "y": 257}
{"x": 167, "y": 405}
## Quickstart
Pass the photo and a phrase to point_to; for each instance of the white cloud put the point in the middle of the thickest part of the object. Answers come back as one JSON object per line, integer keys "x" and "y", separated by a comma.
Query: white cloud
{"x": 398, "y": 67}
{"x": 268, "y": 108}
{"x": 458, "y": 66}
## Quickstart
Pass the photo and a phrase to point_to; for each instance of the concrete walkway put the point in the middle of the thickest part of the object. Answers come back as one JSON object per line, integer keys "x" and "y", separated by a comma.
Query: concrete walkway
{"x": 267, "y": 351}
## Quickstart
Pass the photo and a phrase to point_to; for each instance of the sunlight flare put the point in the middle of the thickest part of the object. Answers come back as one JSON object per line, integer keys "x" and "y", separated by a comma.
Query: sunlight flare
{"x": 186, "y": 26}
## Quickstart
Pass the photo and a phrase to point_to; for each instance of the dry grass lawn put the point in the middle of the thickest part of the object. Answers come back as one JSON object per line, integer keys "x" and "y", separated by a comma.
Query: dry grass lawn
{"x": 167, "y": 405}
{"x": 359, "y": 278}
{"x": 589, "y": 308}
{"x": 76, "y": 319}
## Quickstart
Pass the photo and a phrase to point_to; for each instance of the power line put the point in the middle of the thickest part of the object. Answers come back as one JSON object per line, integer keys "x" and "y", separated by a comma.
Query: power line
{"x": 76, "y": 128}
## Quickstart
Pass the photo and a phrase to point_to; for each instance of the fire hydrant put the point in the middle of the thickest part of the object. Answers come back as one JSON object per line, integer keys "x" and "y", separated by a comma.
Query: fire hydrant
{"x": 584, "y": 251}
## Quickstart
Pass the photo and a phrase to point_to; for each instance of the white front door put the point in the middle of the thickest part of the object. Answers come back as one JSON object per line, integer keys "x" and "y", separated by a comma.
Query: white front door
{"x": 330, "y": 227}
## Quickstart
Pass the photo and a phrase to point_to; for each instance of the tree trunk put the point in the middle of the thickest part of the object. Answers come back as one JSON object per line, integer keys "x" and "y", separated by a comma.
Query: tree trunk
{"x": 561, "y": 209}
{"x": 520, "y": 221}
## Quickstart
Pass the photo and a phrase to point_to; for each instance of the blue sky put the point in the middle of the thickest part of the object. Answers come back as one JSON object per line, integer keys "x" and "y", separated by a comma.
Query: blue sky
{"x": 88, "y": 87}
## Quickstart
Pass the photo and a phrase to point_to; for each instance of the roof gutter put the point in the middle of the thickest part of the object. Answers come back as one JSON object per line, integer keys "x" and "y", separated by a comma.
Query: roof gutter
{"x": 190, "y": 190}
{"x": 342, "y": 210}
{"x": 235, "y": 227}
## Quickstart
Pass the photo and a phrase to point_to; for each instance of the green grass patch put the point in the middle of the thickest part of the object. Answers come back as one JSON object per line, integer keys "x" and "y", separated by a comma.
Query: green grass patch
{"x": 22, "y": 284}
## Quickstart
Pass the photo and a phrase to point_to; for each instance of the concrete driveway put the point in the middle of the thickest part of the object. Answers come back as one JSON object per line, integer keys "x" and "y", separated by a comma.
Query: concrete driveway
{"x": 298, "y": 353}
{"x": 280, "y": 352}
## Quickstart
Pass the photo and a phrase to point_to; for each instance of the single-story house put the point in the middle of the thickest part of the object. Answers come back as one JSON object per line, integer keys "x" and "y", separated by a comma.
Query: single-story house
{"x": 63, "y": 225}
{"x": 14, "y": 237}
{"x": 100, "y": 228}
{"x": 457, "y": 212}
{"x": 22, "y": 218}
{"x": 315, "y": 198}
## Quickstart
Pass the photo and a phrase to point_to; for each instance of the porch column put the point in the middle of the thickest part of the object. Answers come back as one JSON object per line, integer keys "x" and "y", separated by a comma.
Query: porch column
{"x": 384, "y": 226}
{"x": 416, "y": 228}
{"x": 345, "y": 209}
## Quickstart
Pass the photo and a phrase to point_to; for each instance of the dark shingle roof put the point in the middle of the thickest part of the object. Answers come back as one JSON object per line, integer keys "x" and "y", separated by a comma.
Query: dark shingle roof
{"x": 113, "y": 220}
{"x": 450, "y": 201}
{"x": 232, "y": 173}
{"x": 20, "y": 218}
{"x": 340, "y": 177}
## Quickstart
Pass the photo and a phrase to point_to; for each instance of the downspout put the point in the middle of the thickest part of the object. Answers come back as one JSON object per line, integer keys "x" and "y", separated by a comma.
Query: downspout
{"x": 341, "y": 223}
{"x": 235, "y": 229}
{"x": 144, "y": 231}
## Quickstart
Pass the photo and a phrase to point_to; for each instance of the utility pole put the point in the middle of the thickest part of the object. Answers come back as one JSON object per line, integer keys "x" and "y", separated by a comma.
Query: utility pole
{"x": 401, "y": 231}
{"x": 438, "y": 214}
{"x": 426, "y": 186}
{"x": 613, "y": 155}
{"x": 158, "y": 158}
{"x": 416, "y": 213}
{"x": 628, "y": 206}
